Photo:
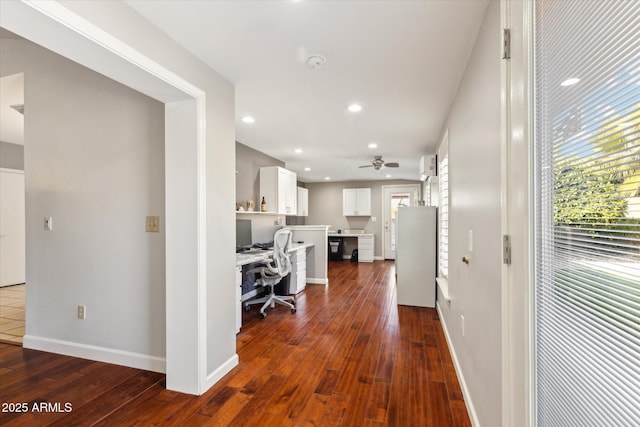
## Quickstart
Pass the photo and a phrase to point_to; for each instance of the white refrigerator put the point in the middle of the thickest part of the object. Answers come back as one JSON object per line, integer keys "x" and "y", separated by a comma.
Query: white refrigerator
{"x": 416, "y": 256}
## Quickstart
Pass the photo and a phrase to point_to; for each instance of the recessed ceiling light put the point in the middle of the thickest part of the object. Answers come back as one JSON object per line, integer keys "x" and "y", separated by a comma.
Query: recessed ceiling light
{"x": 327, "y": 178}
{"x": 373, "y": 145}
{"x": 355, "y": 108}
{"x": 569, "y": 82}
{"x": 298, "y": 150}
{"x": 307, "y": 169}
{"x": 387, "y": 176}
{"x": 248, "y": 119}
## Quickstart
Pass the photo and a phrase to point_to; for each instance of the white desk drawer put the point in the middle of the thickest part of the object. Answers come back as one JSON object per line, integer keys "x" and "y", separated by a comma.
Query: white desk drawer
{"x": 299, "y": 256}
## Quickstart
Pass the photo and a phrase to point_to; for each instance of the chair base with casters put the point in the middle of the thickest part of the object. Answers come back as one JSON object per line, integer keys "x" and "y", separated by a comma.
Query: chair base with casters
{"x": 270, "y": 301}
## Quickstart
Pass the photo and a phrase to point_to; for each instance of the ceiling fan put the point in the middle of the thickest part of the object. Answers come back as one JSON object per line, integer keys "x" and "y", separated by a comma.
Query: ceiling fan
{"x": 377, "y": 163}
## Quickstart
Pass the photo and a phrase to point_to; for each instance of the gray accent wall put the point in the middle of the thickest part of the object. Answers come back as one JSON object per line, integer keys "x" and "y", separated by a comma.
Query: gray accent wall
{"x": 11, "y": 155}
{"x": 248, "y": 164}
{"x": 325, "y": 208}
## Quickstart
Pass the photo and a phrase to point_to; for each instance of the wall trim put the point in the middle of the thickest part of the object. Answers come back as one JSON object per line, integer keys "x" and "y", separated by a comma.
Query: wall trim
{"x": 316, "y": 281}
{"x": 93, "y": 352}
{"x": 463, "y": 384}
{"x": 220, "y": 372}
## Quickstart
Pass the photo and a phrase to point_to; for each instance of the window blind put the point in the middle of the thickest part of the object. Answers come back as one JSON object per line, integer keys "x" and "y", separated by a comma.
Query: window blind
{"x": 587, "y": 213}
{"x": 444, "y": 217}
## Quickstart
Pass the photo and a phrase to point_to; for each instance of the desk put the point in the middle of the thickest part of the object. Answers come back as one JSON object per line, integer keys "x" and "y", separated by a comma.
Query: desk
{"x": 365, "y": 244}
{"x": 298, "y": 279}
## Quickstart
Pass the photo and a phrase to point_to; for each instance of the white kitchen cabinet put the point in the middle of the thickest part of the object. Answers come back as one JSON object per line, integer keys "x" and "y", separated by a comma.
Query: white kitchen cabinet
{"x": 279, "y": 189}
{"x": 303, "y": 202}
{"x": 356, "y": 202}
{"x": 365, "y": 247}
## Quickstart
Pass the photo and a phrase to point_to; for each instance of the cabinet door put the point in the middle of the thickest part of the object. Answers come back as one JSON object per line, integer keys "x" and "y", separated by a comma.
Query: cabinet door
{"x": 363, "y": 201}
{"x": 283, "y": 182}
{"x": 292, "y": 193}
{"x": 303, "y": 202}
{"x": 349, "y": 201}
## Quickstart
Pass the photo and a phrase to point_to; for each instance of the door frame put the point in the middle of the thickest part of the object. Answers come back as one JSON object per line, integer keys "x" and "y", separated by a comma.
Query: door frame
{"x": 62, "y": 31}
{"x": 516, "y": 98}
{"x": 410, "y": 188}
{"x": 10, "y": 171}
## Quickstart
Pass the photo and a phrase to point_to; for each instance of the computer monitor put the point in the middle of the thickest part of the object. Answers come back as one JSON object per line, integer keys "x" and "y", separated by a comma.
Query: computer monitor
{"x": 243, "y": 233}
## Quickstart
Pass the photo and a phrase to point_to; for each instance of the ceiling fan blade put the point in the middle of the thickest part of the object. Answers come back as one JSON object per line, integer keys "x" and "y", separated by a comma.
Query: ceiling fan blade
{"x": 366, "y": 166}
{"x": 391, "y": 165}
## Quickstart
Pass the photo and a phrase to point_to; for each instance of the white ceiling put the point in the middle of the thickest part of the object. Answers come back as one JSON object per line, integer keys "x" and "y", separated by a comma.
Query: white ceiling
{"x": 401, "y": 60}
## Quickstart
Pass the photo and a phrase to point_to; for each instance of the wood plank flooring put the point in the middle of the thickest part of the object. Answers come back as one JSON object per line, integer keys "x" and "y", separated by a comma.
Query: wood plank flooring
{"x": 349, "y": 357}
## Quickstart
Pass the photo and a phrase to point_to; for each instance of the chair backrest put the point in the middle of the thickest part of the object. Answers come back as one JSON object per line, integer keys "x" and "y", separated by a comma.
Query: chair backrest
{"x": 281, "y": 243}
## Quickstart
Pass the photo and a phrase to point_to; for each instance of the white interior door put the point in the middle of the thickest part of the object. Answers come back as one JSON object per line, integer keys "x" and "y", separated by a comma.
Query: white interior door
{"x": 394, "y": 196}
{"x": 12, "y": 227}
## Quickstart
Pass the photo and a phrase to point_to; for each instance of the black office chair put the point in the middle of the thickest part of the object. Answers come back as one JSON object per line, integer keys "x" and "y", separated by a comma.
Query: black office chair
{"x": 272, "y": 272}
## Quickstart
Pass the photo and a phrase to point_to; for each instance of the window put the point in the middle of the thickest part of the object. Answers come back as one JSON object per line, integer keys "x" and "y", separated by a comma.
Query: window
{"x": 444, "y": 217}
{"x": 587, "y": 165}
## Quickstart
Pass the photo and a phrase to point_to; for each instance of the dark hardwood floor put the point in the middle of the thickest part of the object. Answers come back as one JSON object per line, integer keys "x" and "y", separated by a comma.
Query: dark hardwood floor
{"x": 349, "y": 357}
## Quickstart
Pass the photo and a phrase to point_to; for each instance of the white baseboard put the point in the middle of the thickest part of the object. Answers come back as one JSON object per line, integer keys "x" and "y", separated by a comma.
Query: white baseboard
{"x": 463, "y": 384}
{"x": 100, "y": 354}
{"x": 222, "y": 370}
{"x": 317, "y": 281}
{"x": 378, "y": 258}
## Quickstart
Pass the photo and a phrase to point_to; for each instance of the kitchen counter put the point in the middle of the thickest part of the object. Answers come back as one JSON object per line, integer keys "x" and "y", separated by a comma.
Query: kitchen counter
{"x": 349, "y": 234}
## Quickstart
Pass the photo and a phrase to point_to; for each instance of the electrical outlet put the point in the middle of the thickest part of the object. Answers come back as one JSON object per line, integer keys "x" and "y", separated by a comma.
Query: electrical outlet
{"x": 374, "y": 219}
{"x": 462, "y": 324}
{"x": 82, "y": 312}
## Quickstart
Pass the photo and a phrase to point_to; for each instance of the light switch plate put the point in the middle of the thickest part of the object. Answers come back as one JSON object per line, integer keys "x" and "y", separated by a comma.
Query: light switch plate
{"x": 48, "y": 223}
{"x": 153, "y": 224}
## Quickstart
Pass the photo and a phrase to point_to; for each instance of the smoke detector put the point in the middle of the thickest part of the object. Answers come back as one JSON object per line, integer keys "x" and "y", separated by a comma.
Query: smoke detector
{"x": 315, "y": 61}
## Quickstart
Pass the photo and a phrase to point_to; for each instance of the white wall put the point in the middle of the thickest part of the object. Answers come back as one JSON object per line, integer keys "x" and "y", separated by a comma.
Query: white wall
{"x": 474, "y": 182}
{"x": 95, "y": 163}
{"x": 153, "y": 63}
{"x": 11, "y": 121}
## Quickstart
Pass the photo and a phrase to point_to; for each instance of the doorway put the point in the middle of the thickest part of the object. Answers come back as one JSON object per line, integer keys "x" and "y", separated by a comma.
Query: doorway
{"x": 393, "y": 197}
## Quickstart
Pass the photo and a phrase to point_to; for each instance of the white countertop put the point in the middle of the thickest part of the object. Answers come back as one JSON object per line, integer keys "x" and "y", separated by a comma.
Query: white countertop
{"x": 258, "y": 255}
{"x": 349, "y": 234}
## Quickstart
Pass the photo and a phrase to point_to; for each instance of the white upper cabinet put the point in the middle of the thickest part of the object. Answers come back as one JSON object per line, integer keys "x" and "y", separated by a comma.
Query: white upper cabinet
{"x": 303, "y": 202}
{"x": 279, "y": 189}
{"x": 356, "y": 202}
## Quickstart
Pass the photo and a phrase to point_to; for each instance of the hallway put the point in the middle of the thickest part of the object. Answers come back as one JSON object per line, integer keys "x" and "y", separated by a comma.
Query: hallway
{"x": 349, "y": 357}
